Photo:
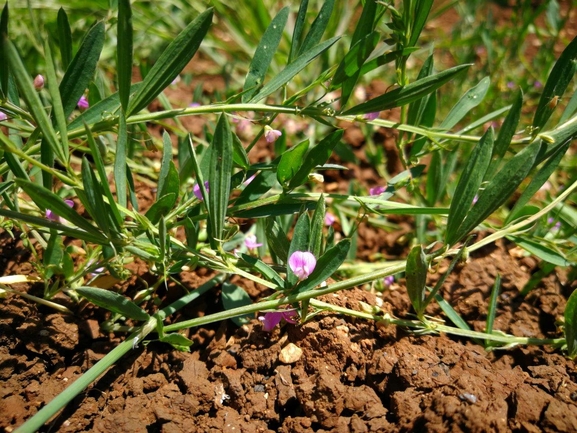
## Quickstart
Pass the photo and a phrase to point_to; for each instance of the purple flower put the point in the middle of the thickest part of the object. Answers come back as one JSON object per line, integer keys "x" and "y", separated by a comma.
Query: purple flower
{"x": 538, "y": 84}
{"x": 249, "y": 180}
{"x": 39, "y": 82}
{"x": 475, "y": 199}
{"x": 83, "y": 103}
{"x": 377, "y": 190}
{"x": 387, "y": 281}
{"x": 56, "y": 218}
{"x": 329, "y": 219}
{"x": 3, "y": 116}
{"x": 372, "y": 116}
{"x": 510, "y": 85}
{"x": 251, "y": 242}
{"x": 302, "y": 263}
{"x": 271, "y": 135}
{"x": 557, "y": 224}
{"x": 197, "y": 192}
{"x": 194, "y": 105}
{"x": 272, "y": 319}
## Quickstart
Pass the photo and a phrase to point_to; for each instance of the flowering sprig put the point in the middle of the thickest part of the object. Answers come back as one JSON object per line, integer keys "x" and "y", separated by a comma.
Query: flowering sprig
{"x": 302, "y": 263}
{"x": 272, "y": 319}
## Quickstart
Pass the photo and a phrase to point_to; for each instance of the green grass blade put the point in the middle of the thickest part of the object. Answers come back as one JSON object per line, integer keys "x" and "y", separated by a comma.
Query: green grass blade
{"x": 57, "y": 108}
{"x": 120, "y": 161}
{"x": 298, "y": 30}
{"x": 293, "y": 68}
{"x": 4, "y": 65}
{"x": 468, "y": 101}
{"x": 500, "y": 188}
{"x": 559, "y": 78}
{"x": 64, "y": 38}
{"x": 219, "y": 179}
{"x": 538, "y": 180}
{"x": 81, "y": 70}
{"x": 468, "y": 185}
{"x": 264, "y": 54}
{"x": 46, "y": 199}
{"x": 99, "y": 163}
{"x": 571, "y": 325}
{"x": 171, "y": 62}
{"x": 409, "y": 93}
{"x": 32, "y": 99}
{"x": 318, "y": 27}
{"x": 124, "y": 53}
{"x": 492, "y": 309}
{"x": 451, "y": 314}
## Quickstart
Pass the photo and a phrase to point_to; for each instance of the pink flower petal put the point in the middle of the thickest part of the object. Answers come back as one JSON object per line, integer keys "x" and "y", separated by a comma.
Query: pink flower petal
{"x": 302, "y": 263}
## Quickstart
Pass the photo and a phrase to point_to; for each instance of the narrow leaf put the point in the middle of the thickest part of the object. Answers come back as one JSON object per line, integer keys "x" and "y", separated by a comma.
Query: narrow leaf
{"x": 404, "y": 95}
{"x": 293, "y": 68}
{"x": 93, "y": 193}
{"x": 171, "y": 62}
{"x": 81, "y": 70}
{"x": 4, "y": 65}
{"x": 259, "y": 186}
{"x": 113, "y": 301}
{"x": 468, "y": 101}
{"x": 290, "y": 163}
{"x": 264, "y": 269}
{"x": 421, "y": 14}
{"x": 264, "y": 54}
{"x": 160, "y": 208}
{"x": 57, "y": 108}
{"x": 124, "y": 51}
{"x": 277, "y": 240}
{"x": 416, "y": 275}
{"x": 298, "y": 29}
{"x": 541, "y": 251}
{"x": 318, "y": 27}
{"x": 120, "y": 160}
{"x": 64, "y": 38}
{"x": 571, "y": 325}
{"x": 317, "y": 224}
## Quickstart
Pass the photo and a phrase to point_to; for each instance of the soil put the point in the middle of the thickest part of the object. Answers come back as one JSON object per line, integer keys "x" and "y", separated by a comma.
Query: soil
{"x": 342, "y": 375}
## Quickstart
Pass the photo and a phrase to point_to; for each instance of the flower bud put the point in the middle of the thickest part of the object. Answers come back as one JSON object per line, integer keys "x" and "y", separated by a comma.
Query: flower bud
{"x": 39, "y": 82}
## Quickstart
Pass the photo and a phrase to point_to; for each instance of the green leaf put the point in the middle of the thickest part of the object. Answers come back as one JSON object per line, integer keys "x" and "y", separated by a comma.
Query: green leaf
{"x": 64, "y": 38}
{"x": 468, "y": 101}
{"x": 419, "y": 19}
{"x": 259, "y": 186}
{"x": 537, "y": 181}
{"x": 570, "y": 109}
{"x": 545, "y": 253}
{"x": 113, "y": 301}
{"x": 468, "y": 185}
{"x": 571, "y": 325}
{"x": 409, "y": 93}
{"x": 499, "y": 189}
{"x": 264, "y": 269}
{"x": 165, "y": 162}
{"x": 317, "y": 156}
{"x": 82, "y": 68}
{"x": 4, "y": 65}
{"x": 97, "y": 157}
{"x": 277, "y": 240}
{"x": 451, "y": 313}
{"x": 178, "y": 341}
{"x": 370, "y": 15}
{"x": 492, "y": 309}
{"x": 317, "y": 224}
{"x": 290, "y": 163}
{"x": 93, "y": 193}
{"x": 171, "y": 62}
{"x": 234, "y": 296}
{"x": 506, "y": 133}
{"x": 54, "y": 253}
{"x": 160, "y": 208}
{"x": 293, "y": 68}
{"x": 326, "y": 266}
{"x": 298, "y": 29}
{"x": 239, "y": 156}
{"x": 318, "y": 27}
{"x": 417, "y": 108}
{"x": 30, "y": 96}
{"x": 284, "y": 206}
{"x": 264, "y": 54}
{"x": 416, "y": 275}
{"x": 219, "y": 179}
{"x": 559, "y": 78}
{"x": 120, "y": 160}
{"x": 57, "y": 108}
{"x": 299, "y": 242}
{"x": 124, "y": 51}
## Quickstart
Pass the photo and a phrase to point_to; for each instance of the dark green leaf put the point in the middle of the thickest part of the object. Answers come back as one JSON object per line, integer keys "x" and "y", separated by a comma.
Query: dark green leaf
{"x": 82, "y": 68}
{"x": 290, "y": 163}
{"x": 124, "y": 51}
{"x": 409, "y": 93}
{"x": 293, "y": 68}
{"x": 264, "y": 54}
{"x": 113, "y": 301}
{"x": 57, "y": 108}
{"x": 285, "y": 206}
{"x": 93, "y": 192}
{"x": 571, "y": 325}
{"x": 239, "y": 156}
{"x": 541, "y": 251}
{"x": 317, "y": 224}
{"x": 416, "y": 275}
{"x": 259, "y": 186}
{"x": 569, "y": 109}
{"x": 171, "y": 62}
{"x": 277, "y": 240}
{"x": 165, "y": 162}
{"x": 264, "y": 269}
{"x": 4, "y": 68}
{"x": 326, "y": 266}
{"x": 468, "y": 185}
{"x": 298, "y": 29}
{"x": 318, "y": 27}
{"x": 421, "y": 14}
{"x": 317, "y": 156}
{"x": 219, "y": 179}
{"x": 64, "y": 38}
{"x": 234, "y": 296}
{"x": 559, "y": 78}
{"x": 161, "y": 207}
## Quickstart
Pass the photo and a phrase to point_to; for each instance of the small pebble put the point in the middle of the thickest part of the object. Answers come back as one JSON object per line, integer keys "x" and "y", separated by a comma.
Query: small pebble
{"x": 468, "y": 397}
{"x": 290, "y": 354}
